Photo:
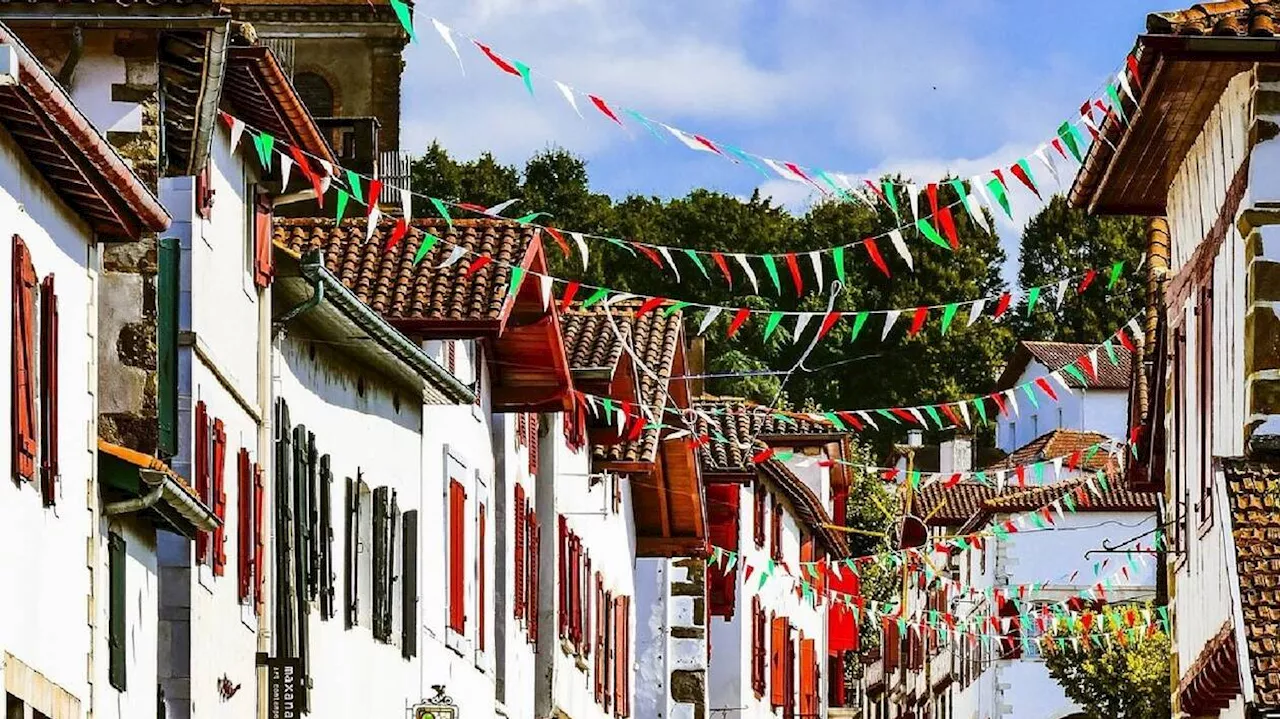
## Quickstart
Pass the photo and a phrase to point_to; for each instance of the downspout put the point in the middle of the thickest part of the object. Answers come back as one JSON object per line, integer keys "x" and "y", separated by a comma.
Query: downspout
{"x": 210, "y": 95}
{"x": 317, "y": 296}
{"x": 68, "y": 70}
{"x": 153, "y": 479}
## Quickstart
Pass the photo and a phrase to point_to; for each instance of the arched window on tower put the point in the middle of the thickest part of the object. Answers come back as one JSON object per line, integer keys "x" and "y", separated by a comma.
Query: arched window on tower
{"x": 316, "y": 93}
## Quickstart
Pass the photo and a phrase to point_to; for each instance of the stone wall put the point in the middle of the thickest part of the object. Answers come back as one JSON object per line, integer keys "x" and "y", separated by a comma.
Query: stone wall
{"x": 1259, "y": 225}
{"x": 687, "y": 644}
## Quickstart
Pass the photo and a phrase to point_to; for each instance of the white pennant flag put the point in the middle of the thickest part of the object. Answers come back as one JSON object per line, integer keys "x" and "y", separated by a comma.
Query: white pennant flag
{"x": 975, "y": 311}
{"x": 1057, "y": 468}
{"x": 447, "y": 35}
{"x": 237, "y": 131}
{"x": 547, "y": 283}
{"x": 286, "y": 165}
{"x": 1057, "y": 376}
{"x": 1093, "y": 359}
{"x": 751, "y": 274}
{"x": 1123, "y": 78}
{"x": 802, "y": 319}
{"x": 785, "y": 173}
{"x": 374, "y": 216}
{"x": 686, "y": 139}
{"x": 707, "y": 319}
{"x": 919, "y": 418}
{"x": 454, "y": 255}
{"x": 895, "y": 238}
{"x": 582, "y": 247}
{"x": 666, "y": 254}
{"x": 569, "y": 97}
{"x": 1062, "y": 293}
{"x": 890, "y": 318}
{"x": 327, "y": 178}
{"x": 1000, "y": 480}
{"x": 816, "y": 259}
{"x": 980, "y": 191}
{"x": 1044, "y": 158}
{"x": 1013, "y": 401}
{"x": 499, "y": 208}
{"x": 913, "y": 194}
{"x": 406, "y": 204}
{"x": 1135, "y": 329}
{"x": 868, "y": 419}
{"x": 964, "y": 414}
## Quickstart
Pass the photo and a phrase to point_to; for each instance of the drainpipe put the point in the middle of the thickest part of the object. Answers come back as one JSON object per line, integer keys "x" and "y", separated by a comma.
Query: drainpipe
{"x": 68, "y": 70}
{"x": 317, "y": 296}
{"x": 154, "y": 480}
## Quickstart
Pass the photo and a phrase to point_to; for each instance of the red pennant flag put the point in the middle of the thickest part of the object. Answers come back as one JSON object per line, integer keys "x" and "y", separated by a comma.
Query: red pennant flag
{"x": 651, "y": 253}
{"x": 917, "y": 321}
{"x": 948, "y": 227}
{"x": 559, "y": 238}
{"x": 469, "y": 207}
{"x": 1010, "y": 527}
{"x": 1133, "y": 70}
{"x": 477, "y": 265}
{"x": 932, "y": 191}
{"x": 1073, "y": 462}
{"x": 762, "y": 456}
{"x": 1000, "y": 176}
{"x": 1025, "y": 179}
{"x": 375, "y": 189}
{"x": 317, "y": 183}
{"x": 874, "y": 251}
{"x": 1021, "y": 472}
{"x": 951, "y": 415}
{"x": 1043, "y": 384}
{"x": 699, "y": 441}
{"x": 1124, "y": 340}
{"x": 905, "y": 415}
{"x": 604, "y": 108}
{"x": 747, "y": 574}
{"x": 795, "y": 273}
{"x": 724, "y": 268}
{"x": 637, "y": 428}
{"x": 1087, "y": 364}
{"x": 852, "y": 419}
{"x": 1048, "y": 516}
{"x": 497, "y": 60}
{"x": 1003, "y": 305}
{"x": 953, "y": 481}
{"x": 1086, "y": 621}
{"x": 397, "y": 233}
{"x": 649, "y": 305}
{"x": 794, "y": 168}
{"x": 738, "y": 319}
{"x": 1057, "y": 145}
{"x": 998, "y": 398}
{"x": 708, "y": 144}
{"x": 1088, "y": 279}
{"x": 569, "y": 291}
{"x": 890, "y": 474}
{"x": 828, "y": 322}
{"x": 877, "y": 190}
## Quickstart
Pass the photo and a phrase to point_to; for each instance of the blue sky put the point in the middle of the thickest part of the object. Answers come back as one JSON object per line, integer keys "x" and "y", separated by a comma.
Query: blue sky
{"x": 852, "y": 86}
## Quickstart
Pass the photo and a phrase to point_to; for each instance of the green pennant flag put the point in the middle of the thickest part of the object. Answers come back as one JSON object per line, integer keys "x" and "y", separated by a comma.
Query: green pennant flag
{"x": 891, "y": 196}
{"x": 1075, "y": 372}
{"x": 714, "y": 559}
{"x": 1116, "y": 269}
{"x": 1069, "y": 502}
{"x": 525, "y": 75}
{"x": 927, "y": 230}
{"x": 1033, "y": 296}
{"x": 354, "y": 181}
{"x": 889, "y": 416}
{"x": 443, "y": 210}
{"x": 342, "y": 204}
{"x": 1102, "y": 481}
{"x": 1091, "y": 453}
{"x": 933, "y": 414}
{"x": 675, "y": 307}
{"x": 599, "y": 294}
{"x": 949, "y": 314}
{"x": 428, "y": 241}
{"x": 1000, "y": 532}
{"x": 620, "y": 245}
{"x": 263, "y": 143}
{"x": 697, "y": 261}
{"x": 981, "y": 478}
{"x": 774, "y": 319}
{"x": 982, "y": 409}
{"x": 1111, "y": 352}
{"x": 1114, "y": 96}
{"x": 406, "y": 19}
{"x": 1067, "y": 134}
{"x": 608, "y": 408}
{"x": 1038, "y": 467}
{"x": 517, "y": 277}
{"x": 915, "y": 478}
{"x": 837, "y": 257}
{"x": 997, "y": 190}
{"x": 530, "y": 217}
{"x": 772, "y": 267}
{"x": 1036, "y": 520}
{"x": 835, "y": 420}
{"x": 1031, "y": 395}
{"x": 859, "y": 320}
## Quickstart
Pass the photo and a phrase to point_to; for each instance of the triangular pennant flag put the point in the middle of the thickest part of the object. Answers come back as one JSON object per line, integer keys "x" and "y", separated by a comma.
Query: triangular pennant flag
{"x": 793, "y": 266}
{"x": 949, "y": 314}
{"x": 264, "y": 143}
{"x": 286, "y": 164}
{"x": 1033, "y": 296}
{"x": 666, "y": 255}
{"x": 859, "y": 320}
{"x": 454, "y": 255}
{"x": 1116, "y": 269}
{"x": 237, "y": 131}
{"x": 708, "y": 318}
{"x": 913, "y": 194}
{"x": 697, "y": 262}
{"x": 738, "y": 320}
{"x": 428, "y": 241}
{"x": 774, "y": 319}
{"x": 371, "y": 223}
{"x": 604, "y": 109}
{"x": 772, "y": 269}
{"x": 1022, "y": 171}
{"x": 802, "y": 320}
{"x": 343, "y": 197}
{"x": 895, "y": 237}
{"x": 517, "y": 277}
{"x": 815, "y": 259}
{"x": 1043, "y": 157}
{"x": 975, "y": 311}
{"x": 405, "y": 16}
{"x": 890, "y": 318}
{"x": 1067, "y": 134}
{"x": 569, "y": 97}
{"x": 874, "y": 252}
{"x": 353, "y": 182}
{"x": 443, "y": 210}
{"x": 751, "y": 273}
{"x": 997, "y": 190}
{"x": 931, "y": 234}
{"x": 447, "y": 35}
{"x": 975, "y": 214}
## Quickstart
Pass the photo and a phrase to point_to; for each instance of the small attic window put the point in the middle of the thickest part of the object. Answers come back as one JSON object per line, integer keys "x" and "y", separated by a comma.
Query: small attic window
{"x": 316, "y": 93}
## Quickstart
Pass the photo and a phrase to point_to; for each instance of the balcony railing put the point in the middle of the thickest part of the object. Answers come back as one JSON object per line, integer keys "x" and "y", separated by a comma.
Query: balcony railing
{"x": 394, "y": 171}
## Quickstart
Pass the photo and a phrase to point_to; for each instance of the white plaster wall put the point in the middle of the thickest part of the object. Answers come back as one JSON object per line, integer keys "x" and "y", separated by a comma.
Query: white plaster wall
{"x": 363, "y": 433}
{"x": 653, "y": 630}
{"x": 142, "y": 605}
{"x": 515, "y": 663}
{"x": 43, "y": 551}
{"x": 98, "y": 70}
{"x": 457, "y": 442}
{"x": 608, "y": 537}
{"x": 1095, "y": 410}
{"x": 729, "y": 673}
{"x": 1053, "y": 556}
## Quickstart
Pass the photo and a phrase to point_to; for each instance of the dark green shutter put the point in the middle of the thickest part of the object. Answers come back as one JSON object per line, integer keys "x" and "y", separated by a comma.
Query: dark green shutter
{"x": 116, "y": 611}
{"x": 283, "y": 629}
{"x": 409, "y": 587}
{"x": 393, "y": 519}
{"x": 167, "y": 283}
{"x": 326, "y": 540}
{"x": 351, "y": 598}
{"x": 381, "y": 631}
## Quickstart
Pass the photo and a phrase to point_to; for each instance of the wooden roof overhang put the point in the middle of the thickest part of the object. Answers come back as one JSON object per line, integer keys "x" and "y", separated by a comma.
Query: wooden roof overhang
{"x": 255, "y": 89}
{"x": 1183, "y": 77}
{"x": 667, "y": 501}
{"x": 79, "y": 164}
{"x": 1212, "y": 681}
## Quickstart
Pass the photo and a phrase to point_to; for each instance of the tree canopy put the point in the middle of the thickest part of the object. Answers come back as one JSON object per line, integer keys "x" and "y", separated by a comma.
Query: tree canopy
{"x": 1127, "y": 680}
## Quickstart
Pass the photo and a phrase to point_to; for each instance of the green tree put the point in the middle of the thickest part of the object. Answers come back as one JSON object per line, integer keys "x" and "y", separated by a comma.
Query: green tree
{"x": 1129, "y": 681}
{"x": 1062, "y": 241}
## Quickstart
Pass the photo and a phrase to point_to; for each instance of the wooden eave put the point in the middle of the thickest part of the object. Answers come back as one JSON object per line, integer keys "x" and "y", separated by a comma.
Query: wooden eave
{"x": 667, "y": 501}
{"x": 256, "y": 90}
{"x": 529, "y": 364}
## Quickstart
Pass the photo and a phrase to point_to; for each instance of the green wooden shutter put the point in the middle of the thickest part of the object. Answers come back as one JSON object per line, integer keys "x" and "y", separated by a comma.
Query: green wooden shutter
{"x": 381, "y": 631}
{"x": 116, "y": 611}
{"x": 409, "y": 587}
{"x": 326, "y": 540}
{"x": 167, "y": 344}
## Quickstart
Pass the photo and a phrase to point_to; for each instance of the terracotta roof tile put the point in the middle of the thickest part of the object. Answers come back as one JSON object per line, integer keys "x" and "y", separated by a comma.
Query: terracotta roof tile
{"x": 1253, "y": 489}
{"x": 591, "y": 338}
{"x": 1238, "y": 18}
{"x": 741, "y": 422}
{"x": 1117, "y": 498}
{"x": 952, "y": 506}
{"x": 656, "y": 340}
{"x": 390, "y": 282}
{"x": 1059, "y": 354}
{"x": 1061, "y": 443}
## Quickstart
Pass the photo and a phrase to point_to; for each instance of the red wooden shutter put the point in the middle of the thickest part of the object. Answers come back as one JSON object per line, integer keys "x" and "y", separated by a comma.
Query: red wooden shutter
{"x": 204, "y": 193}
{"x": 24, "y": 354}
{"x": 533, "y": 444}
{"x": 519, "y": 551}
{"x": 602, "y": 611}
{"x": 619, "y": 654}
{"x": 481, "y": 532}
{"x": 775, "y": 537}
{"x": 611, "y": 648}
{"x": 48, "y": 392}
{"x": 259, "y": 536}
{"x": 808, "y": 679}
{"x": 586, "y": 606}
{"x": 777, "y": 657}
{"x": 892, "y": 644}
{"x": 263, "y": 265}
{"x": 244, "y": 523}
{"x": 200, "y": 450}
{"x": 757, "y": 491}
{"x": 219, "y": 498}
{"x": 535, "y": 546}
{"x": 722, "y": 517}
{"x": 457, "y": 571}
{"x": 562, "y": 572}
{"x": 521, "y": 435}
{"x": 757, "y": 646}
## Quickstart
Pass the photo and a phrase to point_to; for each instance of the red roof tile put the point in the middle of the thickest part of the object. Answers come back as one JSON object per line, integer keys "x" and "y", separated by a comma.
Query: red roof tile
{"x": 1253, "y": 489}
{"x": 1061, "y": 443}
{"x": 1059, "y": 354}
{"x": 740, "y": 422}
{"x": 943, "y": 506}
{"x": 1231, "y": 18}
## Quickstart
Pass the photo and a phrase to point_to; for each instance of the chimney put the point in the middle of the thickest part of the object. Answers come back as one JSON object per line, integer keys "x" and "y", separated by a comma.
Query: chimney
{"x": 915, "y": 438}
{"x": 956, "y": 455}
{"x": 697, "y": 365}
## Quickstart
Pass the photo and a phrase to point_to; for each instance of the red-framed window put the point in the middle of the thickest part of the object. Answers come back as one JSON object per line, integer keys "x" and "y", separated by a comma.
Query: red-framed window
{"x": 457, "y": 557}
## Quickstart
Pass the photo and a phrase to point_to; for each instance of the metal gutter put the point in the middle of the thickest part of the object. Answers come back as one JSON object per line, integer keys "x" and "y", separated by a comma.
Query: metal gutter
{"x": 210, "y": 94}
{"x": 313, "y": 270}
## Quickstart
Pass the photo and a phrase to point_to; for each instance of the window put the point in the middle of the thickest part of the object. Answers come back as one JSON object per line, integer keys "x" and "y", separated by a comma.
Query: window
{"x": 1204, "y": 401}
{"x": 384, "y": 523}
{"x": 350, "y": 554}
{"x": 245, "y": 525}
{"x": 116, "y": 608}
{"x": 1011, "y": 642}
{"x": 202, "y": 458}
{"x": 23, "y": 386}
{"x": 622, "y": 654}
{"x": 758, "y": 494}
{"x": 534, "y": 576}
{"x": 808, "y": 678}
{"x": 204, "y": 193}
{"x": 457, "y": 557}
{"x": 1035, "y": 426}
{"x": 325, "y": 540}
{"x": 1013, "y": 435}
{"x": 1178, "y": 445}
{"x": 219, "y": 548}
{"x": 316, "y": 93}
{"x": 263, "y": 264}
{"x": 521, "y": 549}
{"x": 574, "y": 567}
{"x": 602, "y": 620}
{"x": 531, "y": 425}
{"x": 611, "y": 649}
